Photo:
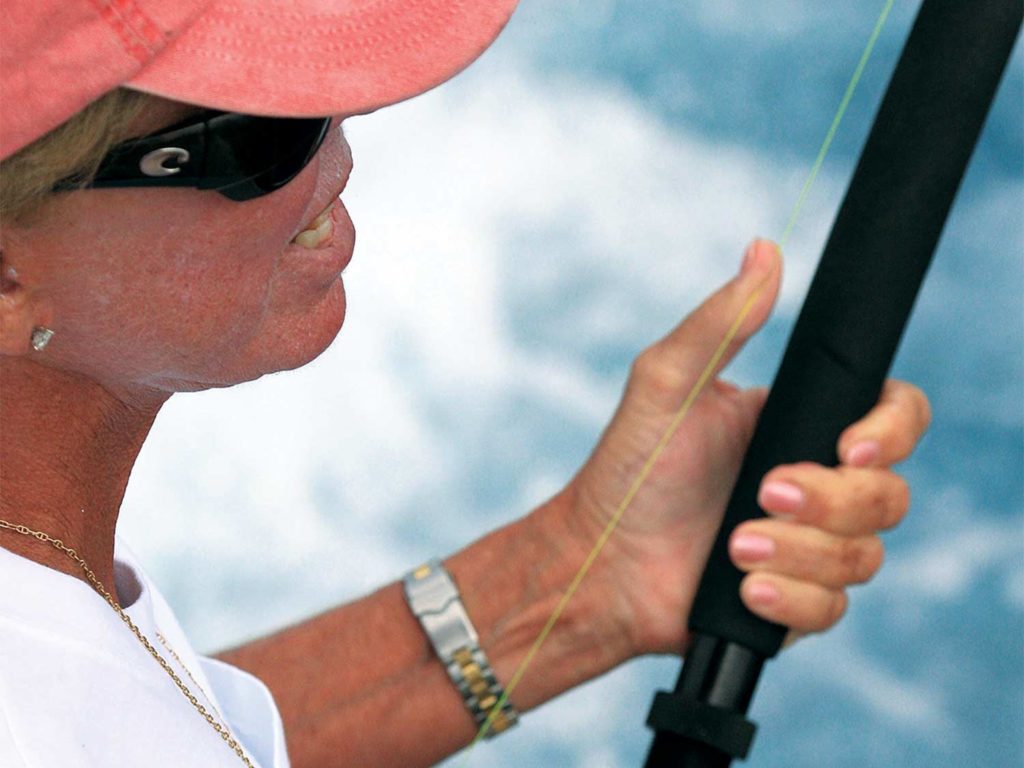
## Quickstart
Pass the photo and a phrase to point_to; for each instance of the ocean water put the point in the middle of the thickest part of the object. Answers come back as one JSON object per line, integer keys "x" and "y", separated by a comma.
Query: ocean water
{"x": 523, "y": 232}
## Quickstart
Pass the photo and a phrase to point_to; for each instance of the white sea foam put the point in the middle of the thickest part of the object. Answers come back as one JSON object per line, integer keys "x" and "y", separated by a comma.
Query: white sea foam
{"x": 963, "y": 545}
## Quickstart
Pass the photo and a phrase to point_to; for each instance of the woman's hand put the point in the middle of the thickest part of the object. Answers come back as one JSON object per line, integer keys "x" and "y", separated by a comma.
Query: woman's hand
{"x": 821, "y": 533}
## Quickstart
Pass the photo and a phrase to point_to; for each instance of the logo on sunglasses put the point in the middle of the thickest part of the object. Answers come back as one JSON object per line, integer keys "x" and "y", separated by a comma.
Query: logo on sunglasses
{"x": 155, "y": 163}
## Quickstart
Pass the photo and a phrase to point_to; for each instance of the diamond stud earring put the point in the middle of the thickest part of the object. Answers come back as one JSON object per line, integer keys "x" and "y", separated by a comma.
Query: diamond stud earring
{"x": 40, "y": 338}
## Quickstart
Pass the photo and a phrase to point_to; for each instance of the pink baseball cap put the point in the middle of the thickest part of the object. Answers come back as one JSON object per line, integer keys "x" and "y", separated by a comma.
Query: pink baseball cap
{"x": 302, "y": 58}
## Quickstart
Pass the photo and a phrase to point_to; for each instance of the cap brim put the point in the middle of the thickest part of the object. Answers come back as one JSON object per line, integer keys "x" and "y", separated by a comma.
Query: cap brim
{"x": 320, "y": 57}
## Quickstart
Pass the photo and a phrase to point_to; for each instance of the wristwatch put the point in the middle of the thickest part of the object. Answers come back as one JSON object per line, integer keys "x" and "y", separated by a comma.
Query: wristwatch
{"x": 434, "y": 600}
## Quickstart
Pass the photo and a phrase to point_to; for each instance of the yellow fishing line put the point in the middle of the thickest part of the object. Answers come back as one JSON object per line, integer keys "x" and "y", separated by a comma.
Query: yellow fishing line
{"x": 850, "y": 88}
{"x": 705, "y": 376}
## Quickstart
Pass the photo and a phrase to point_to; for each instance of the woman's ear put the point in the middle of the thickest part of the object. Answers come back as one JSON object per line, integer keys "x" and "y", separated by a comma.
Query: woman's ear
{"x": 23, "y": 327}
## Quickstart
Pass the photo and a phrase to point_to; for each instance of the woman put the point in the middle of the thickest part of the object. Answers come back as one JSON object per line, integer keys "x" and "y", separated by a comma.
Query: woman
{"x": 208, "y": 252}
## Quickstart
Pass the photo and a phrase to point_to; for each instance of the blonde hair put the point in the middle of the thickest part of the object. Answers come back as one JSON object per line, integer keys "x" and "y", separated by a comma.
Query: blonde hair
{"x": 71, "y": 151}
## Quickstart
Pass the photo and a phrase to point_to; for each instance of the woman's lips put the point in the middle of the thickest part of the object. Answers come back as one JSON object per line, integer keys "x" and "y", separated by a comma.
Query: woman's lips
{"x": 323, "y": 247}
{"x": 322, "y": 250}
{"x": 319, "y": 231}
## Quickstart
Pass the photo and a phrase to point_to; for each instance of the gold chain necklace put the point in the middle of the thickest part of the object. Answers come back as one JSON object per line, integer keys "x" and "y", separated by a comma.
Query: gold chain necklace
{"x": 221, "y": 729}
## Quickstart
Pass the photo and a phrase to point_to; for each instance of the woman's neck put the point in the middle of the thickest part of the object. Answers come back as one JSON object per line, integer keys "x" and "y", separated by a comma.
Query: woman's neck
{"x": 67, "y": 447}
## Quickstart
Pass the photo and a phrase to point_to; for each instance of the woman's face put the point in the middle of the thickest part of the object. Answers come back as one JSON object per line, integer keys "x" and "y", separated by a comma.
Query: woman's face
{"x": 180, "y": 289}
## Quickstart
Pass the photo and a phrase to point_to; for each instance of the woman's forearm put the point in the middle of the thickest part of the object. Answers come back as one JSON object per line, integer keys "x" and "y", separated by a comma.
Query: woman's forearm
{"x": 360, "y": 684}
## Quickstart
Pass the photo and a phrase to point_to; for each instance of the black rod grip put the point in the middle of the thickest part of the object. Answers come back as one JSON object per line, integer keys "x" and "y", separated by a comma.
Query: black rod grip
{"x": 853, "y": 317}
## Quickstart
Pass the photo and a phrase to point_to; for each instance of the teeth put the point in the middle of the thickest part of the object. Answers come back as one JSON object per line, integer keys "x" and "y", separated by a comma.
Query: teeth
{"x": 317, "y": 232}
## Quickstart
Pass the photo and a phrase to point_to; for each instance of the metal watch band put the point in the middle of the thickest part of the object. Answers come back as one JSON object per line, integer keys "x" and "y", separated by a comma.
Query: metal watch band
{"x": 434, "y": 600}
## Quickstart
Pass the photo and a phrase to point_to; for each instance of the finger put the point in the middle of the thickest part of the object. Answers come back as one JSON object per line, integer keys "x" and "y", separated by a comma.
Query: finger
{"x": 845, "y": 500}
{"x": 889, "y": 432}
{"x": 667, "y": 368}
{"x": 795, "y": 604}
{"x": 805, "y": 553}
{"x": 792, "y": 638}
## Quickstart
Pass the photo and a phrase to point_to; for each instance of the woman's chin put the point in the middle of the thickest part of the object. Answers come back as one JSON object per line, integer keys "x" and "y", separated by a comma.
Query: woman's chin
{"x": 282, "y": 343}
{"x": 299, "y": 339}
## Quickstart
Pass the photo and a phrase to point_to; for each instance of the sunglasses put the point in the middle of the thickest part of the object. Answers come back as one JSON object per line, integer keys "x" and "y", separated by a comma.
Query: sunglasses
{"x": 240, "y": 156}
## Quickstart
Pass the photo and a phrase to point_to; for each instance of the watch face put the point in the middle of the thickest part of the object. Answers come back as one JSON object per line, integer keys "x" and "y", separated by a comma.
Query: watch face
{"x": 429, "y": 588}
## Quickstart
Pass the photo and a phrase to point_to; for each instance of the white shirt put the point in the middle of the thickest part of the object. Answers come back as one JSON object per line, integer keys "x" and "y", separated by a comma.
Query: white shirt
{"x": 78, "y": 689}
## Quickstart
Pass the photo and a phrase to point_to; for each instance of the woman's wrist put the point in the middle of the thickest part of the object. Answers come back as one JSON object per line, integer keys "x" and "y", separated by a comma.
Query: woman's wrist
{"x": 514, "y": 578}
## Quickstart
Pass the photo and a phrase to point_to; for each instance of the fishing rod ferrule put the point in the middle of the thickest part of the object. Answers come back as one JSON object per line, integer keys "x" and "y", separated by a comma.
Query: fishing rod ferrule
{"x": 711, "y": 697}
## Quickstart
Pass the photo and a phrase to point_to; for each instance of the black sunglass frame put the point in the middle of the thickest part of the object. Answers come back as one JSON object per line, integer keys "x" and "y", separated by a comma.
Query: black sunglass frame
{"x": 240, "y": 156}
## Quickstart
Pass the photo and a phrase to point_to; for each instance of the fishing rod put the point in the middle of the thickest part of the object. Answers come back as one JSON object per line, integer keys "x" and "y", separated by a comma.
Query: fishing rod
{"x": 842, "y": 345}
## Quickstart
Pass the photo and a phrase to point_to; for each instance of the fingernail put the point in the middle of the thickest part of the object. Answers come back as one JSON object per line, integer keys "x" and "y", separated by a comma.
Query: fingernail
{"x": 779, "y": 496}
{"x": 751, "y": 547}
{"x": 749, "y": 258}
{"x": 863, "y": 453}
{"x": 762, "y": 593}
